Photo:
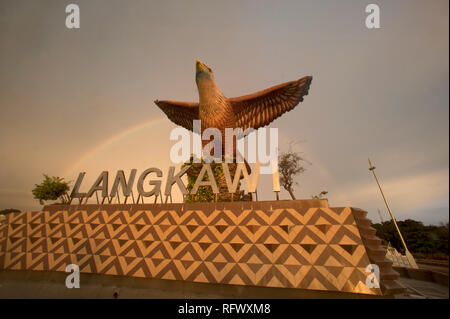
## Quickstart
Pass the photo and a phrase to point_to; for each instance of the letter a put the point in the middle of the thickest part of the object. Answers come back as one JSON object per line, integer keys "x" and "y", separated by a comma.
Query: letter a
{"x": 73, "y": 280}
{"x": 373, "y": 19}
{"x": 73, "y": 19}
{"x": 179, "y": 153}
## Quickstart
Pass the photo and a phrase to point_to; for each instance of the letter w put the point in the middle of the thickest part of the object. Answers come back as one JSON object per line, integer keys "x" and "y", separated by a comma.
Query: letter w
{"x": 241, "y": 169}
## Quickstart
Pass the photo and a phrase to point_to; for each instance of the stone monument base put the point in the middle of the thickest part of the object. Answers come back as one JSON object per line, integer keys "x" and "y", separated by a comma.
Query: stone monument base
{"x": 302, "y": 244}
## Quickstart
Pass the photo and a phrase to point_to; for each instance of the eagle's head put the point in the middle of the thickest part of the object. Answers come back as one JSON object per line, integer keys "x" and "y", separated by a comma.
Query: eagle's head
{"x": 203, "y": 73}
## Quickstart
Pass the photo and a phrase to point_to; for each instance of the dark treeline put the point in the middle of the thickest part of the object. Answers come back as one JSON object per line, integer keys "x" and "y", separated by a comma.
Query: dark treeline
{"x": 423, "y": 241}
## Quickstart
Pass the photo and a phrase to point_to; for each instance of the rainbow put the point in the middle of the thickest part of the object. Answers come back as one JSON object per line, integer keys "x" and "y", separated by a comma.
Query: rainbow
{"x": 109, "y": 141}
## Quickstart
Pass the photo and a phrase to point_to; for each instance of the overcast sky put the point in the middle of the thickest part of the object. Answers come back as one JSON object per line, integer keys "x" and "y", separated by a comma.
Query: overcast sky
{"x": 82, "y": 100}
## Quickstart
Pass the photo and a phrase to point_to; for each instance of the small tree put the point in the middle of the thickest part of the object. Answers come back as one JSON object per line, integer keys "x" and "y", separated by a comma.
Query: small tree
{"x": 52, "y": 188}
{"x": 289, "y": 166}
{"x": 204, "y": 193}
{"x": 320, "y": 196}
{"x": 9, "y": 210}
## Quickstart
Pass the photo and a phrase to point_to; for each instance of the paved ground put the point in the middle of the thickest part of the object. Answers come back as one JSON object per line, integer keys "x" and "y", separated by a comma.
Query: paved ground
{"x": 54, "y": 290}
{"x": 442, "y": 269}
{"x": 51, "y": 285}
{"x": 418, "y": 289}
{"x": 42, "y": 284}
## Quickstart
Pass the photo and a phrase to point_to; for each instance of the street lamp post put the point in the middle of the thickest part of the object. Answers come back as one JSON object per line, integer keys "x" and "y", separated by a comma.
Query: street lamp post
{"x": 372, "y": 168}
{"x": 409, "y": 256}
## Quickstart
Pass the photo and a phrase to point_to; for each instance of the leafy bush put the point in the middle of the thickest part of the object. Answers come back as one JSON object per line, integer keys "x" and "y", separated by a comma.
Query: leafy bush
{"x": 9, "y": 210}
{"x": 320, "y": 196}
{"x": 205, "y": 193}
{"x": 51, "y": 188}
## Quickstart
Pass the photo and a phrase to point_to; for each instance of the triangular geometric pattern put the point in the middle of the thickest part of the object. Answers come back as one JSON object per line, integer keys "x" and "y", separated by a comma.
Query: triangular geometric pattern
{"x": 271, "y": 244}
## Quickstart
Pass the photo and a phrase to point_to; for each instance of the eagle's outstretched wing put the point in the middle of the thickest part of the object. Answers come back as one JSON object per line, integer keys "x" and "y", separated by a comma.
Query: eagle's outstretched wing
{"x": 181, "y": 113}
{"x": 259, "y": 109}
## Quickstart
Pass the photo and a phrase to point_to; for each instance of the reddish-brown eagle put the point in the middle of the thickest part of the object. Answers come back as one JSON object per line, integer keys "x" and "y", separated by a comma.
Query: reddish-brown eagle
{"x": 249, "y": 111}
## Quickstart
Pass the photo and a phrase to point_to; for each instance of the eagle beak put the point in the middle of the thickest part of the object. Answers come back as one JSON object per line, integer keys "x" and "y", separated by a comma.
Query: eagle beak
{"x": 203, "y": 67}
{"x": 199, "y": 65}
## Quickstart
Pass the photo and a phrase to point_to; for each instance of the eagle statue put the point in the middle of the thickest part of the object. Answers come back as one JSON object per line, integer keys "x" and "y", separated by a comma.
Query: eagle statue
{"x": 214, "y": 109}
